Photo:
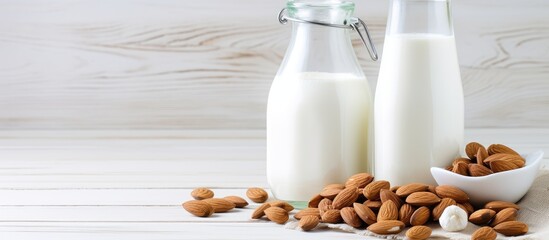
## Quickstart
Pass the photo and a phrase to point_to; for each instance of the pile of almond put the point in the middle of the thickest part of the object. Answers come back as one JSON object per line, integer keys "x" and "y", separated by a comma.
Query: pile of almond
{"x": 382, "y": 209}
{"x": 482, "y": 161}
{"x": 364, "y": 203}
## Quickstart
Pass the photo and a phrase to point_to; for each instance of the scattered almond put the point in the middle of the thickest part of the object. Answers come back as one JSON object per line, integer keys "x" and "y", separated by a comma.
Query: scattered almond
{"x": 371, "y": 191}
{"x": 482, "y": 216}
{"x": 365, "y": 213}
{"x": 315, "y": 201}
{"x": 219, "y": 204}
{"x": 198, "y": 208}
{"x": 500, "y": 205}
{"x": 307, "y": 212}
{"x": 422, "y": 199}
{"x": 484, "y": 233}
{"x": 387, "y": 227}
{"x": 202, "y": 193}
{"x": 345, "y": 198}
{"x": 350, "y": 217}
{"x": 511, "y": 228}
{"x": 405, "y": 213}
{"x": 334, "y": 185}
{"x": 419, "y": 232}
{"x": 505, "y": 215}
{"x": 277, "y": 214}
{"x": 260, "y": 211}
{"x": 374, "y": 205}
{"x": 410, "y": 188}
{"x": 308, "y": 222}
{"x": 447, "y": 191}
{"x": 257, "y": 195}
{"x": 324, "y": 205}
{"x": 388, "y": 195}
{"x": 359, "y": 180}
{"x": 332, "y": 216}
{"x": 388, "y": 211}
{"x": 237, "y": 201}
{"x": 420, "y": 216}
{"x": 282, "y": 204}
{"x": 330, "y": 193}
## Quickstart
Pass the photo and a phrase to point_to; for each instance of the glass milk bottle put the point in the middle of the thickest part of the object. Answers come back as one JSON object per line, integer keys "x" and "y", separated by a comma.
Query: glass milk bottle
{"x": 419, "y": 96}
{"x": 320, "y": 106}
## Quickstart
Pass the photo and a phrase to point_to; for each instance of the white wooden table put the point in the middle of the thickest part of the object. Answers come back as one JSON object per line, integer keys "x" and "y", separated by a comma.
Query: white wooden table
{"x": 130, "y": 185}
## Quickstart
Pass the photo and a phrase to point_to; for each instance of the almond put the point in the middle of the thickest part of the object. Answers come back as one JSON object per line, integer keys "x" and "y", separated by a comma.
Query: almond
{"x": 471, "y": 150}
{"x": 374, "y": 205}
{"x": 447, "y": 191}
{"x": 219, "y": 204}
{"x": 388, "y": 211}
{"x": 314, "y": 201}
{"x": 330, "y": 193}
{"x": 371, "y": 191}
{"x": 387, "y": 227}
{"x": 334, "y": 185}
{"x": 505, "y": 215}
{"x": 468, "y": 207}
{"x": 257, "y": 195}
{"x": 325, "y": 205}
{"x": 423, "y": 199}
{"x": 482, "y": 216}
{"x": 277, "y": 214}
{"x": 307, "y": 212}
{"x": 419, "y": 232}
{"x": 500, "y": 148}
{"x": 420, "y": 216}
{"x": 484, "y": 233}
{"x": 198, "y": 208}
{"x": 350, "y": 217}
{"x": 282, "y": 204}
{"x": 410, "y": 188}
{"x": 237, "y": 201}
{"x": 202, "y": 193}
{"x": 365, "y": 213}
{"x": 345, "y": 198}
{"x": 308, "y": 222}
{"x": 444, "y": 203}
{"x": 512, "y": 228}
{"x": 405, "y": 213}
{"x": 359, "y": 180}
{"x": 461, "y": 159}
{"x": 481, "y": 155}
{"x": 502, "y": 166}
{"x": 515, "y": 160}
{"x": 388, "y": 195}
{"x": 461, "y": 168}
{"x": 500, "y": 205}
{"x": 332, "y": 216}
{"x": 260, "y": 211}
{"x": 478, "y": 170}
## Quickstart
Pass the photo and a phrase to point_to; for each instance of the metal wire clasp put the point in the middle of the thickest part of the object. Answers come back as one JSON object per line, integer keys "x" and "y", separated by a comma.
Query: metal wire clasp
{"x": 354, "y": 24}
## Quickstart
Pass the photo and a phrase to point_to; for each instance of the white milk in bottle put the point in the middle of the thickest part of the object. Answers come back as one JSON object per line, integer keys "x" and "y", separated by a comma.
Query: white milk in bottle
{"x": 419, "y": 97}
{"x": 319, "y": 111}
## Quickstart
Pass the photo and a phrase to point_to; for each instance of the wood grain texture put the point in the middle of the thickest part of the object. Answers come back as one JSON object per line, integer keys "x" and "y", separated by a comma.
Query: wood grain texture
{"x": 143, "y": 64}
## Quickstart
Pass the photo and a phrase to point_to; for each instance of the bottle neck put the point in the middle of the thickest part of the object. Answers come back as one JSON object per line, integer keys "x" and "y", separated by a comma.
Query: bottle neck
{"x": 420, "y": 17}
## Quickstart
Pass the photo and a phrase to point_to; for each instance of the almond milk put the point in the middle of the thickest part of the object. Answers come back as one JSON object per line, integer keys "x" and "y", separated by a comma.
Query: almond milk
{"x": 418, "y": 107}
{"x": 317, "y": 132}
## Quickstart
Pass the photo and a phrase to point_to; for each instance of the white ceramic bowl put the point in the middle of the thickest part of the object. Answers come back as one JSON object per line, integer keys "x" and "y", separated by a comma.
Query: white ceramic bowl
{"x": 508, "y": 186}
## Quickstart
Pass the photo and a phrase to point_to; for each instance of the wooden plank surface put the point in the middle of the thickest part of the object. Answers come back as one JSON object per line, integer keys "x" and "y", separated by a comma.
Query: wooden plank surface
{"x": 172, "y": 64}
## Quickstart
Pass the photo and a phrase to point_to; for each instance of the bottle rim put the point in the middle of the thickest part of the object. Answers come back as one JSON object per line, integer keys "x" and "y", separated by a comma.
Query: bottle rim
{"x": 300, "y": 4}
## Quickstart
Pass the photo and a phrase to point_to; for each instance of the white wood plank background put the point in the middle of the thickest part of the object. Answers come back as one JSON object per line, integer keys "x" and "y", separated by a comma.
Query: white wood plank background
{"x": 130, "y": 184}
{"x": 182, "y": 64}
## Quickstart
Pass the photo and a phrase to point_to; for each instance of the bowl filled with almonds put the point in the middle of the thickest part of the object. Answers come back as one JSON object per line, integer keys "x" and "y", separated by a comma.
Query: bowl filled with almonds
{"x": 494, "y": 173}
